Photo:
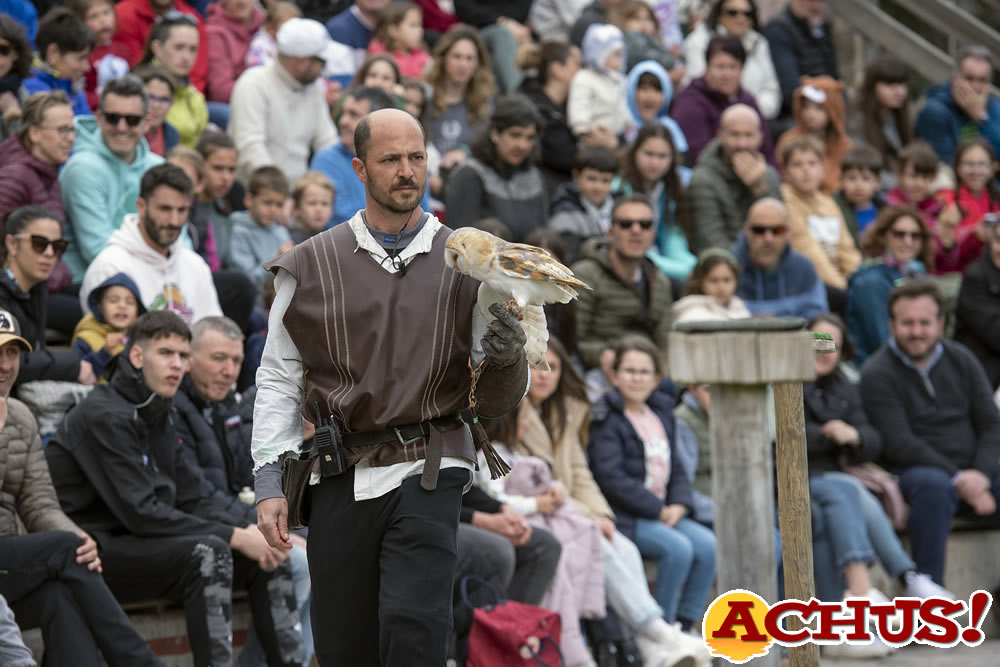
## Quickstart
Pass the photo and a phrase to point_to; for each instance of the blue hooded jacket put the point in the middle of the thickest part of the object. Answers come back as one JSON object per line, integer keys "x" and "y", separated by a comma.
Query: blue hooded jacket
{"x": 45, "y": 80}
{"x": 632, "y": 83}
{"x": 791, "y": 289}
{"x": 98, "y": 328}
{"x": 943, "y": 125}
{"x": 868, "y": 304}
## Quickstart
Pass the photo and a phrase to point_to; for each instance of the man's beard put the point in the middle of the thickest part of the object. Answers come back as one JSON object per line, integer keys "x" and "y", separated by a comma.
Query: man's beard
{"x": 384, "y": 197}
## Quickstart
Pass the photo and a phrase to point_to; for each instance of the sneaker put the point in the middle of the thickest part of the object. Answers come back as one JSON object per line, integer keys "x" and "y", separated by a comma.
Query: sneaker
{"x": 875, "y": 596}
{"x": 877, "y": 649}
{"x": 682, "y": 649}
{"x": 652, "y": 654}
{"x": 920, "y": 585}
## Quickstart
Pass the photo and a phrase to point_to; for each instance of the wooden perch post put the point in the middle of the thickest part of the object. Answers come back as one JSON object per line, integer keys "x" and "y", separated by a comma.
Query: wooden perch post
{"x": 739, "y": 359}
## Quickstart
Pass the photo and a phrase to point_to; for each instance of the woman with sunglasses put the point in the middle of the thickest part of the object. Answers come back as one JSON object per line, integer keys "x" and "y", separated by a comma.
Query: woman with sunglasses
{"x": 738, "y": 18}
{"x": 899, "y": 245}
{"x": 34, "y": 244}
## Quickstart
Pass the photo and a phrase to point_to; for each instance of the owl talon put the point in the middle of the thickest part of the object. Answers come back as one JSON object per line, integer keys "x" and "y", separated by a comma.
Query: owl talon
{"x": 514, "y": 309}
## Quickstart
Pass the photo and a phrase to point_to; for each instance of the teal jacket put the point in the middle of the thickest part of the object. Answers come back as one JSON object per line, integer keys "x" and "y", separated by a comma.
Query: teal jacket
{"x": 98, "y": 190}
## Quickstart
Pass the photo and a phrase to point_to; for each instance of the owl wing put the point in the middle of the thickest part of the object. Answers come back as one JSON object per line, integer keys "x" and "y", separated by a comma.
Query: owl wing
{"x": 528, "y": 262}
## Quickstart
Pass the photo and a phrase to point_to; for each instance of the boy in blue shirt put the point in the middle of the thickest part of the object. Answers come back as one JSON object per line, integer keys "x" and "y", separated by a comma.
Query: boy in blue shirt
{"x": 258, "y": 236}
{"x": 859, "y": 197}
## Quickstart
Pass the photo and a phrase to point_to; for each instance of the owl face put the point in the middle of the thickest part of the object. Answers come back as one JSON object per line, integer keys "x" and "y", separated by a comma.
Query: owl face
{"x": 467, "y": 249}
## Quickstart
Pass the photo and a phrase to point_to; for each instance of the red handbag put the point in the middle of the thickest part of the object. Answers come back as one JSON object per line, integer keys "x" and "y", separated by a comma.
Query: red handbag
{"x": 511, "y": 634}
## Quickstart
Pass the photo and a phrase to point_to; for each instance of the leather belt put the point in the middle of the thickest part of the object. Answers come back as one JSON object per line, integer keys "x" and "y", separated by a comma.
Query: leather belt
{"x": 407, "y": 434}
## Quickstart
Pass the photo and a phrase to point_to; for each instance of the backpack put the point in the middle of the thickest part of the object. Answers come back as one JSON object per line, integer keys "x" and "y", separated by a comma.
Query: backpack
{"x": 609, "y": 642}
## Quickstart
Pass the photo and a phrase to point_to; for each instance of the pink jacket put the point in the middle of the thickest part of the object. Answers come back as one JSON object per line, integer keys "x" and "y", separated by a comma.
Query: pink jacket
{"x": 228, "y": 42}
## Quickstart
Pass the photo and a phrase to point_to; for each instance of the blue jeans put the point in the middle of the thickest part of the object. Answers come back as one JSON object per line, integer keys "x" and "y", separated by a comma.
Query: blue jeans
{"x": 840, "y": 503}
{"x": 253, "y": 654}
{"x": 933, "y": 501}
{"x": 685, "y": 555}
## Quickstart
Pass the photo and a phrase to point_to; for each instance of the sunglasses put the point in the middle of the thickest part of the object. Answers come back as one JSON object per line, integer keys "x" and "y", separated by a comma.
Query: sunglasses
{"x": 735, "y": 13}
{"x": 40, "y": 243}
{"x": 761, "y": 230}
{"x": 900, "y": 235}
{"x": 625, "y": 223}
{"x": 132, "y": 120}
{"x": 6, "y": 49}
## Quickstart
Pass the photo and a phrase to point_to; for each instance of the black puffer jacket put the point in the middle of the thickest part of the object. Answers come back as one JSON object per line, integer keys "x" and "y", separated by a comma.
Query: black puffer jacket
{"x": 978, "y": 315}
{"x": 29, "y": 309}
{"x": 835, "y": 397}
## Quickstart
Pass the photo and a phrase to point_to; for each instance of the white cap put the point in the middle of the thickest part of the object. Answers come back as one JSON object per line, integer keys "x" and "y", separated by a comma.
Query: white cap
{"x": 813, "y": 94}
{"x": 303, "y": 37}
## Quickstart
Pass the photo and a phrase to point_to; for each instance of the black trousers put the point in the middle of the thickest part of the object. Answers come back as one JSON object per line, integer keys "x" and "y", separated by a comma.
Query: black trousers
{"x": 79, "y": 618}
{"x": 201, "y": 572}
{"x": 382, "y": 571}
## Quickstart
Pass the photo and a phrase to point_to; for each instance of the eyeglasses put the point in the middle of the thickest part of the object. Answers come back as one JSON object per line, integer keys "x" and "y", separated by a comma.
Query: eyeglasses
{"x": 761, "y": 230}
{"x": 161, "y": 100}
{"x": 41, "y": 243}
{"x": 640, "y": 373}
{"x": 6, "y": 49}
{"x": 736, "y": 13}
{"x": 625, "y": 223}
{"x": 902, "y": 234}
{"x": 63, "y": 130}
{"x": 132, "y": 120}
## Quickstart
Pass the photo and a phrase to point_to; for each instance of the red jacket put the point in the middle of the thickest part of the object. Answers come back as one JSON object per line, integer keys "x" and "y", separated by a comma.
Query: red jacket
{"x": 228, "y": 42}
{"x": 135, "y": 21}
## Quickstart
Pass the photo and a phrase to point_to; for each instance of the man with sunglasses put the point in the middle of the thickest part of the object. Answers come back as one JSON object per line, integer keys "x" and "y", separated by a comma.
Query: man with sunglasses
{"x": 776, "y": 280}
{"x": 962, "y": 107}
{"x": 629, "y": 295}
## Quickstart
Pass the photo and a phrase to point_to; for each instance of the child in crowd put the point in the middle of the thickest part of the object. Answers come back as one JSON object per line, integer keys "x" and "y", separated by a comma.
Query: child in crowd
{"x": 597, "y": 92}
{"x": 816, "y": 226}
{"x": 64, "y": 45}
{"x": 710, "y": 293}
{"x": 650, "y": 91}
{"x": 859, "y": 196}
{"x": 108, "y": 60}
{"x": 379, "y": 71}
{"x": 114, "y": 306}
{"x": 916, "y": 168}
{"x": 199, "y": 223}
{"x": 258, "y": 234}
{"x": 399, "y": 31}
{"x": 213, "y": 199}
{"x": 581, "y": 208}
{"x": 970, "y": 208}
{"x": 313, "y": 199}
{"x": 264, "y": 45}
{"x": 819, "y": 112}
{"x": 160, "y": 86}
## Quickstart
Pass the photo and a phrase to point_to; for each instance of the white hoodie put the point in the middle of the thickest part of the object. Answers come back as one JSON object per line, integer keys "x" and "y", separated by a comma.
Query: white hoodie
{"x": 181, "y": 281}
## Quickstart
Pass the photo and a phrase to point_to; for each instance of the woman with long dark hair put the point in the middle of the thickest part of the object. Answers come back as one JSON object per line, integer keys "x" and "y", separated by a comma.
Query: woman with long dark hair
{"x": 882, "y": 115}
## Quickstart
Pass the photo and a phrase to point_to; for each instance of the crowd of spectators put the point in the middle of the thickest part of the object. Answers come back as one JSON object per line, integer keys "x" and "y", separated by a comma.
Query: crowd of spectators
{"x": 689, "y": 159}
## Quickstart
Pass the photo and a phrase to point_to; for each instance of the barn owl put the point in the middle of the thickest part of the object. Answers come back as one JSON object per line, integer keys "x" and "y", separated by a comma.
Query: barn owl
{"x": 523, "y": 276}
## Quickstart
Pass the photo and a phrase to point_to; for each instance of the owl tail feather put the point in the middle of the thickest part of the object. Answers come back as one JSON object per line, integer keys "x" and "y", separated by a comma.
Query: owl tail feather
{"x": 536, "y": 358}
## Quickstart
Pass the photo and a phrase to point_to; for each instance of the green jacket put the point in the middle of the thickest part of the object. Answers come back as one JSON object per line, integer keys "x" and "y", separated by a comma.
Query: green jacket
{"x": 720, "y": 200}
{"x": 614, "y": 308}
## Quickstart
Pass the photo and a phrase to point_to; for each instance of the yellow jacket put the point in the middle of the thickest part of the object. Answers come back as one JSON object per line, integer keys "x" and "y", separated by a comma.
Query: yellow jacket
{"x": 817, "y": 230}
{"x": 189, "y": 114}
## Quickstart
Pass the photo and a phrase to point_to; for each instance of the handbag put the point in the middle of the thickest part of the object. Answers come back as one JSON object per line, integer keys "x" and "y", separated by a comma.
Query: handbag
{"x": 511, "y": 634}
{"x": 611, "y": 644}
{"x": 295, "y": 474}
{"x": 885, "y": 486}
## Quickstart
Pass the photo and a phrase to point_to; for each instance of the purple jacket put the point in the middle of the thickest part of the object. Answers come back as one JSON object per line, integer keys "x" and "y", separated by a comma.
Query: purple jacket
{"x": 697, "y": 110}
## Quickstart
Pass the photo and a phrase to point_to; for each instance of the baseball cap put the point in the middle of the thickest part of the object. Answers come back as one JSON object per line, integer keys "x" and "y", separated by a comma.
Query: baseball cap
{"x": 11, "y": 330}
{"x": 303, "y": 37}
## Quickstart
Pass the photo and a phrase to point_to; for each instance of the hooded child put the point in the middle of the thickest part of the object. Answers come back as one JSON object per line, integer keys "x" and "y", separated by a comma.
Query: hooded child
{"x": 597, "y": 93}
{"x": 114, "y": 306}
{"x": 818, "y": 107}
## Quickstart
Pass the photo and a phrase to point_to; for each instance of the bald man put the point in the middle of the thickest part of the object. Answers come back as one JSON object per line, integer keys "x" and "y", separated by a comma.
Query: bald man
{"x": 731, "y": 174}
{"x": 370, "y": 331}
{"x": 776, "y": 280}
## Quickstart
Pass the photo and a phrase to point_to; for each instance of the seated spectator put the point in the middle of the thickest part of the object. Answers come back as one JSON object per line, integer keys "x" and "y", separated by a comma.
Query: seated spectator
{"x": 264, "y": 45}
{"x": 114, "y": 306}
{"x": 694, "y": 449}
{"x": 119, "y": 470}
{"x": 710, "y": 293}
{"x": 462, "y": 90}
{"x": 962, "y": 107}
{"x": 81, "y": 622}
{"x": 651, "y": 167}
{"x": 199, "y": 227}
{"x": 699, "y": 108}
{"x": 173, "y": 45}
{"x": 213, "y": 201}
{"x": 978, "y": 311}
{"x": 500, "y": 179}
{"x": 740, "y": 19}
{"x": 13, "y": 71}
{"x": 729, "y": 177}
{"x": 815, "y": 224}
{"x": 135, "y": 22}
{"x": 554, "y": 18}
{"x": 100, "y": 181}
{"x": 633, "y": 455}
{"x": 353, "y": 27}
{"x": 859, "y": 196}
{"x": 549, "y": 69}
{"x": 279, "y": 115}
{"x": 33, "y": 244}
{"x": 230, "y": 26}
{"x": 64, "y": 46}
{"x": 897, "y": 246}
{"x": 25, "y": 17}
{"x": 160, "y": 87}
{"x": 640, "y": 26}
{"x": 108, "y": 60}
{"x": 818, "y": 109}
{"x": 399, "y": 32}
{"x": 149, "y": 248}
{"x": 776, "y": 280}
{"x": 335, "y": 162}
{"x": 379, "y": 71}
{"x": 581, "y": 209}
{"x": 882, "y": 117}
{"x": 312, "y": 205}
{"x": 257, "y": 234}
{"x": 932, "y": 403}
{"x": 503, "y": 29}
{"x": 649, "y": 94}
{"x": 838, "y": 436}
{"x": 629, "y": 294}
{"x": 214, "y": 424}
{"x": 801, "y": 42}
{"x": 554, "y": 421}
{"x": 595, "y": 12}
{"x": 597, "y": 93}
{"x": 975, "y": 199}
